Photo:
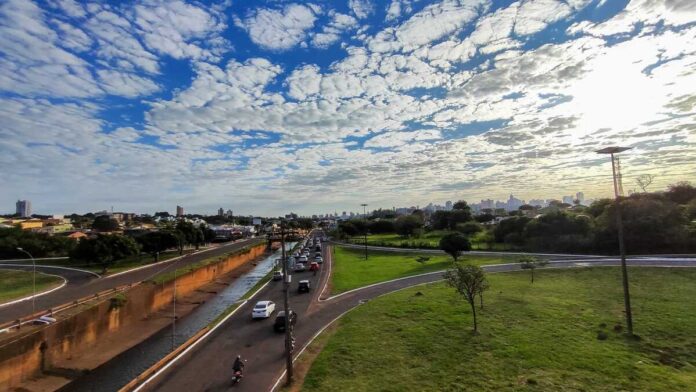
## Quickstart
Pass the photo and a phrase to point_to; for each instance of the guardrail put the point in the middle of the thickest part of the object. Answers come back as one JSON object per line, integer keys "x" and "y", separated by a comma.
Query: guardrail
{"x": 60, "y": 308}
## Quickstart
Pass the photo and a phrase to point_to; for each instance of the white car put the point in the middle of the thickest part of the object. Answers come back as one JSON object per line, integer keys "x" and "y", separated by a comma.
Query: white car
{"x": 263, "y": 309}
{"x": 319, "y": 259}
{"x": 299, "y": 267}
{"x": 303, "y": 260}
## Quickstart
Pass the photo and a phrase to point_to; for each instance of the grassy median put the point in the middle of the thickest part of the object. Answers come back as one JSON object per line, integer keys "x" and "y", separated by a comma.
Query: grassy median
{"x": 18, "y": 284}
{"x": 540, "y": 337}
{"x": 350, "y": 269}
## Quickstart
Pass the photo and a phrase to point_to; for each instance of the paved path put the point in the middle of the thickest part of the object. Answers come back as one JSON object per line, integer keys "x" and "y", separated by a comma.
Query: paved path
{"x": 82, "y": 284}
{"x": 208, "y": 366}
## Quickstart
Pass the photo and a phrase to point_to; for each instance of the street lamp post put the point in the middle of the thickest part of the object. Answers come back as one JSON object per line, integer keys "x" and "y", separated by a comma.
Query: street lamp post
{"x": 619, "y": 225}
{"x": 286, "y": 305}
{"x": 365, "y": 232}
{"x": 33, "y": 297}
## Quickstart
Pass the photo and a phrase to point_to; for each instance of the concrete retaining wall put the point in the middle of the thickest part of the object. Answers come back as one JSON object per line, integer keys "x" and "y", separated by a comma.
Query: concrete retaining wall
{"x": 53, "y": 345}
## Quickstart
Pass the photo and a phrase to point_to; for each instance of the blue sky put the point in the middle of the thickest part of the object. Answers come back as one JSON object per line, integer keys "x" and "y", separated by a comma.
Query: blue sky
{"x": 267, "y": 107}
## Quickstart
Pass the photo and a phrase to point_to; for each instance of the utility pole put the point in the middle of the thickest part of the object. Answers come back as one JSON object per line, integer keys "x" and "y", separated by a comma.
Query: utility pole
{"x": 286, "y": 288}
{"x": 365, "y": 232}
{"x": 619, "y": 225}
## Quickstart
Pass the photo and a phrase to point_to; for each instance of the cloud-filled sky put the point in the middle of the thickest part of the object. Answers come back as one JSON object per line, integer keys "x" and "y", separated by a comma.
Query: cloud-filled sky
{"x": 268, "y": 107}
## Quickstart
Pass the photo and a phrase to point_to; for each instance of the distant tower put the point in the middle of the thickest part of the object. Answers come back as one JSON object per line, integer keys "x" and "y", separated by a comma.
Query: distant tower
{"x": 23, "y": 208}
{"x": 221, "y": 212}
{"x": 179, "y": 211}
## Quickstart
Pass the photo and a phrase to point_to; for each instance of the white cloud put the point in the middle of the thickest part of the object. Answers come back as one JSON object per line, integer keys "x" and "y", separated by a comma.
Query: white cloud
{"x": 331, "y": 33}
{"x": 361, "y": 8}
{"x": 178, "y": 29}
{"x": 278, "y": 29}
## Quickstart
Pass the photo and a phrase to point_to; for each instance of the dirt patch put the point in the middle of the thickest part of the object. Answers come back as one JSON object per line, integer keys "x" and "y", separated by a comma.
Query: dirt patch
{"x": 304, "y": 363}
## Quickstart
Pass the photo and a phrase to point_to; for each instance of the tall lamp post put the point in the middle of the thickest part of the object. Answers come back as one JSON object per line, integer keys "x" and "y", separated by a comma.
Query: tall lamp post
{"x": 286, "y": 287}
{"x": 33, "y": 297}
{"x": 365, "y": 232}
{"x": 619, "y": 225}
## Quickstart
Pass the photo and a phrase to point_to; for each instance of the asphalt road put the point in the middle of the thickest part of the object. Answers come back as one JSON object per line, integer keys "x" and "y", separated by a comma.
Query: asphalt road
{"x": 82, "y": 284}
{"x": 208, "y": 366}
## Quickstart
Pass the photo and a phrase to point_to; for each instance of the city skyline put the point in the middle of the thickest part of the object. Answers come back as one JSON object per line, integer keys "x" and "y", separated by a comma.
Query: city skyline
{"x": 273, "y": 107}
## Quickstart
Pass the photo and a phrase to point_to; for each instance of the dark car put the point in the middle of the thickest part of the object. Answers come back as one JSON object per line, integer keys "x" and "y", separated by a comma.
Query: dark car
{"x": 303, "y": 286}
{"x": 279, "y": 325}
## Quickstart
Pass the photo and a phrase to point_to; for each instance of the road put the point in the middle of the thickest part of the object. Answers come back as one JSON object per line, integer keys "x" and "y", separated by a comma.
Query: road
{"x": 82, "y": 284}
{"x": 208, "y": 366}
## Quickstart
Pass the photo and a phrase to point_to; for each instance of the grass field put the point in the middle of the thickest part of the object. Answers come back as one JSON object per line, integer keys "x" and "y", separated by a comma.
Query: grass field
{"x": 18, "y": 284}
{"x": 350, "y": 269}
{"x": 540, "y": 337}
{"x": 428, "y": 240}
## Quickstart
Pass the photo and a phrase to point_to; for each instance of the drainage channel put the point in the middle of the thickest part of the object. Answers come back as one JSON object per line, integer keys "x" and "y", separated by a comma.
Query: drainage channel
{"x": 126, "y": 366}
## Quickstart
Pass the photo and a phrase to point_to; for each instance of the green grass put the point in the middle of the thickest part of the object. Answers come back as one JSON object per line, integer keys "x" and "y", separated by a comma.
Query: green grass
{"x": 540, "y": 337}
{"x": 18, "y": 284}
{"x": 350, "y": 269}
{"x": 428, "y": 240}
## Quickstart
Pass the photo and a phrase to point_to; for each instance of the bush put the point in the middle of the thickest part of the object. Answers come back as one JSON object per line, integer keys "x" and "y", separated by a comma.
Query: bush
{"x": 601, "y": 335}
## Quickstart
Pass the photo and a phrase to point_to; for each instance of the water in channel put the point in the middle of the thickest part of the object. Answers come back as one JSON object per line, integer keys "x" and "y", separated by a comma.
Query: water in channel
{"x": 123, "y": 368}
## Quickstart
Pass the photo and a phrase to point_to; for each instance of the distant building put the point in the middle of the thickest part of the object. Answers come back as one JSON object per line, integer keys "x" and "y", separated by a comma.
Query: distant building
{"x": 568, "y": 199}
{"x": 513, "y": 203}
{"x": 221, "y": 212}
{"x": 229, "y": 214}
{"x": 179, "y": 211}
{"x": 23, "y": 208}
{"x": 448, "y": 205}
{"x": 580, "y": 196}
{"x": 538, "y": 203}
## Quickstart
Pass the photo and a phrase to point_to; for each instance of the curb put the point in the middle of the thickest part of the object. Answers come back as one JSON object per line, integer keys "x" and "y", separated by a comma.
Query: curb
{"x": 65, "y": 281}
{"x": 51, "y": 266}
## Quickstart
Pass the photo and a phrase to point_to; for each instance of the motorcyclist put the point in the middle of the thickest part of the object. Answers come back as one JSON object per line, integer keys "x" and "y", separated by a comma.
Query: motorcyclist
{"x": 238, "y": 364}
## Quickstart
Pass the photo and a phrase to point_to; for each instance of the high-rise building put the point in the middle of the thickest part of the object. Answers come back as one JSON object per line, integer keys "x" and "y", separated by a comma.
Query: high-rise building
{"x": 568, "y": 199}
{"x": 580, "y": 196}
{"x": 24, "y": 208}
{"x": 221, "y": 212}
{"x": 229, "y": 214}
{"x": 448, "y": 205}
{"x": 179, "y": 211}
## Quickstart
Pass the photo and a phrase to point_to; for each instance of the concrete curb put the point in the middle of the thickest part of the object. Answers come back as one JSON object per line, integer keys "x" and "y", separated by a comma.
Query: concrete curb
{"x": 65, "y": 281}
{"x": 51, "y": 266}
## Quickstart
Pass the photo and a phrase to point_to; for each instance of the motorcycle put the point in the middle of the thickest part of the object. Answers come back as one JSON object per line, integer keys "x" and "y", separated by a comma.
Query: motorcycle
{"x": 237, "y": 377}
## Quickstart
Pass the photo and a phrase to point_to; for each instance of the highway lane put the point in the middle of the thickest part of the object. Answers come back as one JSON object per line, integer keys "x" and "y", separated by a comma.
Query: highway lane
{"x": 208, "y": 366}
{"x": 81, "y": 285}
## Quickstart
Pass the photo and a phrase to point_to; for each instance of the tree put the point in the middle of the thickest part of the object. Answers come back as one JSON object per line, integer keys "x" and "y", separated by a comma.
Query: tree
{"x": 157, "y": 241}
{"x": 644, "y": 180}
{"x": 531, "y": 263}
{"x": 454, "y": 244}
{"x": 408, "y": 225}
{"x": 485, "y": 286}
{"x": 681, "y": 192}
{"x": 105, "y": 250}
{"x": 469, "y": 281}
{"x": 468, "y": 228}
{"x": 485, "y": 217}
{"x": 381, "y": 226}
{"x": 105, "y": 223}
{"x": 461, "y": 205}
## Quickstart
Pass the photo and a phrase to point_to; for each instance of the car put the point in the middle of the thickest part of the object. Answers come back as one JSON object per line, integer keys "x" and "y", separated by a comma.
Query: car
{"x": 303, "y": 286}
{"x": 319, "y": 259}
{"x": 279, "y": 325}
{"x": 299, "y": 267}
{"x": 303, "y": 259}
{"x": 317, "y": 254}
{"x": 263, "y": 309}
{"x": 314, "y": 266}
{"x": 277, "y": 275}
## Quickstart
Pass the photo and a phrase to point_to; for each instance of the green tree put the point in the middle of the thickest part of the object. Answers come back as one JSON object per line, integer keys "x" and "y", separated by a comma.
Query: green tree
{"x": 454, "y": 244}
{"x": 469, "y": 281}
{"x": 469, "y": 228}
{"x": 408, "y": 225}
{"x": 105, "y": 223}
{"x": 681, "y": 192}
{"x": 105, "y": 250}
{"x": 157, "y": 241}
{"x": 381, "y": 226}
{"x": 531, "y": 263}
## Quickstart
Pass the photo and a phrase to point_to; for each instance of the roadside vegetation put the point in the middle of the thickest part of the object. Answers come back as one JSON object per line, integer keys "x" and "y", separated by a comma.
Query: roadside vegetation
{"x": 19, "y": 284}
{"x": 564, "y": 332}
{"x": 657, "y": 222}
{"x": 350, "y": 270}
